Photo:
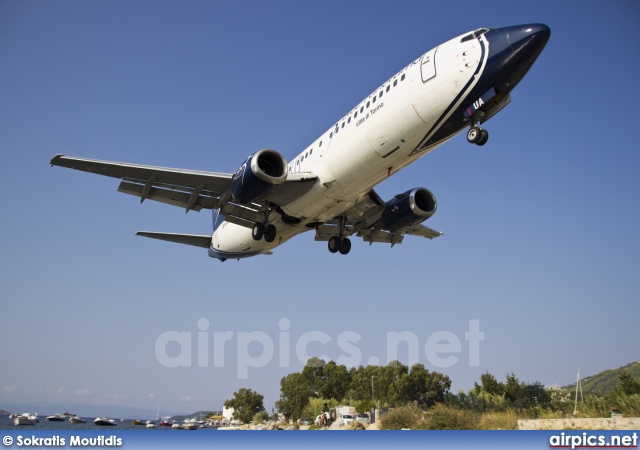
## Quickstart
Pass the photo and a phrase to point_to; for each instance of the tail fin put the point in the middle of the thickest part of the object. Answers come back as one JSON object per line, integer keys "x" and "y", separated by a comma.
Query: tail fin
{"x": 188, "y": 239}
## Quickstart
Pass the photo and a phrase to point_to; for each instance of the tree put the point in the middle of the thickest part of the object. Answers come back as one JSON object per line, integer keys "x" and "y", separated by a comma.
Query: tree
{"x": 427, "y": 388}
{"x": 246, "y": 404}
{"x": 313, "y": 372}
{"x": 513, "y": 389}
{"x": 437, "y": 386}
{"x": 336, "y": 381}
{"x": 490, "y": 385}
{"x": 295, "y": 391}
{"x": 628, "y": 385}
{"x": 360, "y": 387}
{"x": 535, "y": 395}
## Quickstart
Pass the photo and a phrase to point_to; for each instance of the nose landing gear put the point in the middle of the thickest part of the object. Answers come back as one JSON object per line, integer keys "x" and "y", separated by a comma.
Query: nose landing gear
{"x": 477, "y": 135}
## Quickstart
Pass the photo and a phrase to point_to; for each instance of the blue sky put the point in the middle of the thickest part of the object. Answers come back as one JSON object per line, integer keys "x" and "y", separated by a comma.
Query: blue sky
{"x": 541, "y": 225}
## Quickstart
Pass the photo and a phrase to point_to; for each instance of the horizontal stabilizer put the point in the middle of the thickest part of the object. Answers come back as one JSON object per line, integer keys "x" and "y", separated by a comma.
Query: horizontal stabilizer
{"x": 188, "y": 239}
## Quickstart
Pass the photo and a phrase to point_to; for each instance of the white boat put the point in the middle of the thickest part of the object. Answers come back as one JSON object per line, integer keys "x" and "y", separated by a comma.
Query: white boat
{"x": 151, "y": 424}
{"x": 105, "y": 422}
{"x": 24, "y": 419}
{"x": 190, "y": 424}
{"x": 13, "y": 416}
{"x": 55, "y": 418}
{"x": 76, "y": 419}
{"x": 176, "y": 426}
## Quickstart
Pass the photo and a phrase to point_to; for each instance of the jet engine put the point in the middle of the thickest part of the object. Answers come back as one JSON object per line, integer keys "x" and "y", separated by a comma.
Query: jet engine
{"x": 261, "y": 174}
{"x": 410, "y": 208}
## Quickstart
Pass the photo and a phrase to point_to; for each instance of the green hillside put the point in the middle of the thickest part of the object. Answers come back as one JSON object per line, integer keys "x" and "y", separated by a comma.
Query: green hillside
{"x": 606, "y": 381}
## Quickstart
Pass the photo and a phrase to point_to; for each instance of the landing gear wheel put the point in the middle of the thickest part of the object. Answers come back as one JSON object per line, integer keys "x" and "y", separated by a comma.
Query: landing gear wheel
{"x": 484, "y": 137}
{"x": 345, "y": 246}
{"x": 257, "y": 232}
{"x": 474, "y": 134}
{"x": 270, "y": 233}
{"x": 334, "y": 244}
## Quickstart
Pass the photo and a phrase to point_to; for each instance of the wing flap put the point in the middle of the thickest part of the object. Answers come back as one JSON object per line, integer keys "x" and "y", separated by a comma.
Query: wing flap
{"x": 188, "y": 239}
{"x": 422, "y": 231}
{"x": 170, "y": 197}
{"x": 242, "y": 212}
{"x": 377, "y": 235}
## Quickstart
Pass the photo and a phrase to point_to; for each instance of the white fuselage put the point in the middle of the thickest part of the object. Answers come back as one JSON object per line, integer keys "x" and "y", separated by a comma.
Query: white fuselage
{"x": 381, "y": 135}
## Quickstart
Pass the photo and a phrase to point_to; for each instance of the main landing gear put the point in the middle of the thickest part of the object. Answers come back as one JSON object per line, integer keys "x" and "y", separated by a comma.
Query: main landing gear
{"x": 342, "y": 245}
{"x": 264, "y": 229}
{"x": 261, "y": 230}
{"x": 477, "y": 135}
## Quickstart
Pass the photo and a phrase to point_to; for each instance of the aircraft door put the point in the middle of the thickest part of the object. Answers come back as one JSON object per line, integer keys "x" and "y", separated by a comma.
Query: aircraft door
{"x": 428, "y": 65}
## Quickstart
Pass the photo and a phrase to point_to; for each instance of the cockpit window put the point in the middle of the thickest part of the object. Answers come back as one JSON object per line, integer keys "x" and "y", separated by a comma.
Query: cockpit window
{"x": 476, "y": 34}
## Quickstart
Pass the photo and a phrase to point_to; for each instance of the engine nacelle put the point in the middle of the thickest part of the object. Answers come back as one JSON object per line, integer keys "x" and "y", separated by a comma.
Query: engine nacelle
{"x": 410, "y": 208}
{"x": 261, "y": 174}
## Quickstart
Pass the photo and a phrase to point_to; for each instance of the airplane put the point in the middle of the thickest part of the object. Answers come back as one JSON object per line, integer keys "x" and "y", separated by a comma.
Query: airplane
{"x": 328, "y": 187}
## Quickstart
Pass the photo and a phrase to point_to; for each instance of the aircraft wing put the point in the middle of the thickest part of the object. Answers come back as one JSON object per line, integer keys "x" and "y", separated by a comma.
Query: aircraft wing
{"x": 188, "y": 189}
{"x": 363, "y": 220}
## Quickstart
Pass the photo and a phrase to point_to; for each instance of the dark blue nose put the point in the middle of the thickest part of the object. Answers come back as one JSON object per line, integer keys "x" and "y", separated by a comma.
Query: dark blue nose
{"x": 512, "y": 52}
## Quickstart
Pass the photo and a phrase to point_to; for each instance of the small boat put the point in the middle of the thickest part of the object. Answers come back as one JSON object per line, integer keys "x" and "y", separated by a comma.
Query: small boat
{"x": 55, "y": 418}
{"x": 105, "y": 422}
{"x": 165, "y": 423}
{"x": 24, "y": 419}
{"x": 76, "y": 419}
{"x": 190, "y": 424}
{"x": 176, "y": 426}
{"x": 151, "y": 424}
{"x": 137, "y": 422}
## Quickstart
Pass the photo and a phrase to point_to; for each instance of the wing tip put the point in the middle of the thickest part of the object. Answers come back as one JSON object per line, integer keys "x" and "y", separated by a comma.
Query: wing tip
{"x": 55, "y": 159}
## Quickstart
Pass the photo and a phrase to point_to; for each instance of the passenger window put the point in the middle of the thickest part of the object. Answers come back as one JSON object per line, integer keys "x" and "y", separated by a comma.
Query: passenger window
{"x": 349, "y": 119}
{"x": 368, "y": 104}
{"x": 395, "y": 83}
{"x": 380, "y": 95}
{"x": 311, "y": 151}
{"x": 374, "y": 99}
{"x": 342, "y": 125}
{"x": 388, "y": 87}
{"x": 402, "y": 77}
{"x": 320, "y": 145}
{"x": 355, "y": 115}
{"x": 306, "y": 155}
{"x": 361, "y": 109}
